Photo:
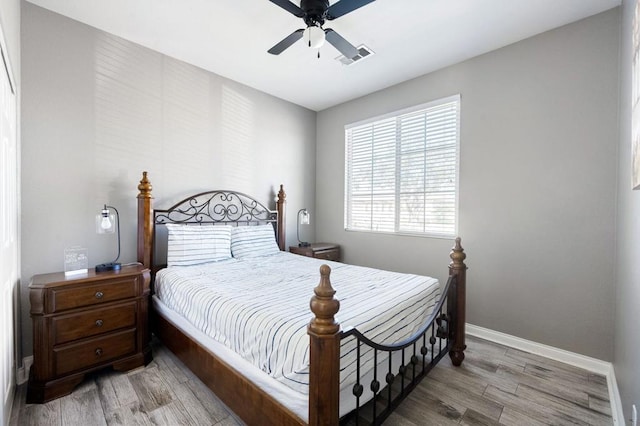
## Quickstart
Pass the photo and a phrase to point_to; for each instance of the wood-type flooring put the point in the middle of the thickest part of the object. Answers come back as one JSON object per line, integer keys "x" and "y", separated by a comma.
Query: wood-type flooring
{"x": 496, "y": 385}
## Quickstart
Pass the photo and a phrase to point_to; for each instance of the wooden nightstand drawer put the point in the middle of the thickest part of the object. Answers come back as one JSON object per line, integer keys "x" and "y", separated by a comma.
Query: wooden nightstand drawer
{"x": 325, "y": 251}
{"x": 79, "y": 356}
{"x": 108, "y": 291}
{"x": 328, "y": 254}
{"x": 90, "y": 323}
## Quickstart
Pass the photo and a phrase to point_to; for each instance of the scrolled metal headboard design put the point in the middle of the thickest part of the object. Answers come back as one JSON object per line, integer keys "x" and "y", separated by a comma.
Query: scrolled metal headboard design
{"x": 217, "y": 207}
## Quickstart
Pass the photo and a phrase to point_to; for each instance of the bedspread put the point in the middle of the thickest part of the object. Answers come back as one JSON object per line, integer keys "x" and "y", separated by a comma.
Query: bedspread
{"x": 259, "y": 308}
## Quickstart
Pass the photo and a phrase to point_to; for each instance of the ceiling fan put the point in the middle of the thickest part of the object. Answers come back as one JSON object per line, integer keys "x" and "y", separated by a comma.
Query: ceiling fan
{"x": 315, "y": 13}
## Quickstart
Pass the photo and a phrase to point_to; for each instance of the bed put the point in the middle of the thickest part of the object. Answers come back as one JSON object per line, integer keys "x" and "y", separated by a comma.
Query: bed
{"x": 240, "y": 325}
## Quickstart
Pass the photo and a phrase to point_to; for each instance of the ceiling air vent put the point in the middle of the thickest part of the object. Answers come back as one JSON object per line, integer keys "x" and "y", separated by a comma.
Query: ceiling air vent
{"x": 363, "y": 52}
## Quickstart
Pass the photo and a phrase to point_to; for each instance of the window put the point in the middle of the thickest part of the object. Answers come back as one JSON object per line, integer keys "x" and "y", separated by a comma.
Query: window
{"x": 402, "y": 171}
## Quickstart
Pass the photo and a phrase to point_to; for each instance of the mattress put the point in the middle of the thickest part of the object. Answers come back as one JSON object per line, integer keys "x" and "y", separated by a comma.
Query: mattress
{"x": 257, "y": 310}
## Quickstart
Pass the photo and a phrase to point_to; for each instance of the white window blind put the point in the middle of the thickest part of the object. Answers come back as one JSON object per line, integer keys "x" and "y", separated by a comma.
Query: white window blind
{"x": 402, "y": 171}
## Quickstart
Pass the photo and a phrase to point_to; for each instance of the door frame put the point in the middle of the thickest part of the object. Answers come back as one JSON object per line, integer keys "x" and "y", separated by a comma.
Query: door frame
{"x": 5, "y": 66}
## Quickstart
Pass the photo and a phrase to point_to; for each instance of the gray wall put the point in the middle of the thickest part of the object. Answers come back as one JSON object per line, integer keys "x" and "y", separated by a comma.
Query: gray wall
{"x": 98, "y": 110}
{"x": 627, "y": 339}
{"x": 537, "y": 184}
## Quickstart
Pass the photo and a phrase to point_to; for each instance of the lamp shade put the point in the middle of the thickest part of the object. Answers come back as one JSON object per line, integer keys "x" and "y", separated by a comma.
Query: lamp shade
{"x": 304, "y": 218}
{"x": 108, "y": 222}
{"x": 105, "y": 222}
{"x": 314, "y": 36}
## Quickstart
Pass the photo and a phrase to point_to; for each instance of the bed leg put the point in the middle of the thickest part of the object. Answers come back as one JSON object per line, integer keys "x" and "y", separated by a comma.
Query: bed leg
{"x": 324, "y": 353}
{"x": 458, "y": 268}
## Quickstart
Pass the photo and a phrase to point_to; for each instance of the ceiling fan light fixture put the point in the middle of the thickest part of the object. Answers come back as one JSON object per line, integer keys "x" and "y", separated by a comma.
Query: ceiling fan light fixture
{"x": 314, "y": 36}
{"x": 314, "y": 13}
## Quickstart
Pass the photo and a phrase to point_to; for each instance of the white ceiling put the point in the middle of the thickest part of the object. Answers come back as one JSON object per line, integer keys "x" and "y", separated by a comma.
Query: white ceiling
{"x": 409, "y": 37}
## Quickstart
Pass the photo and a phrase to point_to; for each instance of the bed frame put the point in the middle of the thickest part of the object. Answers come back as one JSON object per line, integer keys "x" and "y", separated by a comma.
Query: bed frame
{"x": 443, "y": 333}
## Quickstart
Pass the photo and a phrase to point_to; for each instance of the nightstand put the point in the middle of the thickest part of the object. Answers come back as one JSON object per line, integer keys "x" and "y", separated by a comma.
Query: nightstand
{"x": 327, "y": 251}
{"x": 85, "y": 323}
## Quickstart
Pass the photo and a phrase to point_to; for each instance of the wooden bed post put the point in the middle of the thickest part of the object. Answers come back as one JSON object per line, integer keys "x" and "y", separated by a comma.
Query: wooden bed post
{"x": 281, "y": 219}
{"x": 324, "y": 354}
{"x": 459, "y": 269}
{"x": 145, "y": 221}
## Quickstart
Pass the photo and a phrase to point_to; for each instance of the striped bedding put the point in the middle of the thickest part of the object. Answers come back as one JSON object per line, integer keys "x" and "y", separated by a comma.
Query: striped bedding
{"x": 259, "y": 308}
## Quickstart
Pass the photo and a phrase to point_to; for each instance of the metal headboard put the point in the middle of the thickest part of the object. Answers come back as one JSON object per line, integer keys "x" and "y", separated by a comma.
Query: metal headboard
{"x": 221, "y": 207}
{"x": 212, "y": 207}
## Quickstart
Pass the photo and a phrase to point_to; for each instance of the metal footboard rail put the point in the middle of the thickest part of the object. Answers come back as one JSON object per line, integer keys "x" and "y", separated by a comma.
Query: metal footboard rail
{"x": 416, "y": 356}
{"x": 444, "y": 332}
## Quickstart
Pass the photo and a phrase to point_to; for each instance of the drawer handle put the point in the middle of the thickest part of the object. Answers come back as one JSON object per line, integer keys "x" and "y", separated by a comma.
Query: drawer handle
{"x": 99, "y": 294}
{"x": 99, "y": 352}
{"x": 99, "y": 323}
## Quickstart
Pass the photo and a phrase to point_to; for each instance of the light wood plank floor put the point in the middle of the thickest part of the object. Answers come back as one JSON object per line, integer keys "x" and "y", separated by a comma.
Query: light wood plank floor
{"x": 496, "y": 385}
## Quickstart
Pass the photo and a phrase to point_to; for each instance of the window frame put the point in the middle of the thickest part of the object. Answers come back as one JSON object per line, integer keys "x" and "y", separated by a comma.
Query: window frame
{"x": 395, "y": 114}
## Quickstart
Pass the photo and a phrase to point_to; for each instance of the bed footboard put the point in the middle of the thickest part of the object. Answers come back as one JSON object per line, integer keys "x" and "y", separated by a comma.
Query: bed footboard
{"x": 386, "y": 374}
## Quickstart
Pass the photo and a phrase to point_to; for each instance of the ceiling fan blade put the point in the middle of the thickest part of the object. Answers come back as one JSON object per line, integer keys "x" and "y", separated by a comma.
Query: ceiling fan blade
{"x": 343, "y": 7}
{"x": 289, "y": 7}
{"x": 346, "y": 48}
{"x": 286, "y": 42}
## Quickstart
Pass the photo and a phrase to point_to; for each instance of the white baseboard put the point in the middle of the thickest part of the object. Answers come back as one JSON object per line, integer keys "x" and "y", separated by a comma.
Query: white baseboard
{"x": 23, "y": 372}
{"x": 594, "y": 365}
{"x": 616, "y": 402}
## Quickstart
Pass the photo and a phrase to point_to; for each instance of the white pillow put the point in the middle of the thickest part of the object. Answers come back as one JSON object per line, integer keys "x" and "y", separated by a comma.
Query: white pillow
{"x": 253, "y": 241}
{"x": 196, "y": 244}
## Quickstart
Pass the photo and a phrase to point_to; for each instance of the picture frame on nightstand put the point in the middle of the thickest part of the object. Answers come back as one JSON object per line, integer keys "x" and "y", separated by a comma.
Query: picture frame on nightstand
{"x": 76, "y": 261}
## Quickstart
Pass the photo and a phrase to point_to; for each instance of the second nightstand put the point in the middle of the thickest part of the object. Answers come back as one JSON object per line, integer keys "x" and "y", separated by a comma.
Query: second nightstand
{"x": 327, "y": 251}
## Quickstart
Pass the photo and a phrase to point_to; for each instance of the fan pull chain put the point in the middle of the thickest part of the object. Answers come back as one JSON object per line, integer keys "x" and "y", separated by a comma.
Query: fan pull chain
{"x": 318, "y": 54}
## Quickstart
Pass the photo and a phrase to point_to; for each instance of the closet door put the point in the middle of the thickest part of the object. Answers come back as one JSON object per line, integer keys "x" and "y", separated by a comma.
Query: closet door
{"x": 8, "y": 234}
